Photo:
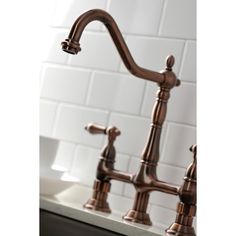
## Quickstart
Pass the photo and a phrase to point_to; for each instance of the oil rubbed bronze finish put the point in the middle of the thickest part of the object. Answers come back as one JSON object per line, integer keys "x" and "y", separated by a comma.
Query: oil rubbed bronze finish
{"x": 145, "y": 179}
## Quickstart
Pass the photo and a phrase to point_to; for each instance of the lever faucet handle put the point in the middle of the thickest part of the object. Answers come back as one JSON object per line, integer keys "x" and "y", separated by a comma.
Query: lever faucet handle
{"x": 111, "y": 131}
{"x": 93, "y": 128}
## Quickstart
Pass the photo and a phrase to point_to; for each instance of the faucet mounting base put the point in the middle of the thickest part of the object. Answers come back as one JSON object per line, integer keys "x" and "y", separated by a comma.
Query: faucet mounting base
{"x": 98, "y": 201}
{"x": 138, "y": 217}
{"x": 180, "y": 230}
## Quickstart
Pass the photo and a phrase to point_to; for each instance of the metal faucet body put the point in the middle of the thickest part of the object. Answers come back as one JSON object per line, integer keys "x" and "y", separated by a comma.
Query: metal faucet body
{"x": 145, "y": 179}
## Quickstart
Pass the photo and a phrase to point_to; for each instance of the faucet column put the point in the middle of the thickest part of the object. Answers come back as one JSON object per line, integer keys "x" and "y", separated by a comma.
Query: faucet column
{"x": 145, "y": 177}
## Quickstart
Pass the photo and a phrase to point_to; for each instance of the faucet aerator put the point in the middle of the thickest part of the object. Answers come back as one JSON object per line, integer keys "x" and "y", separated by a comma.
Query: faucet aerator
{"x": 70, "y": 47}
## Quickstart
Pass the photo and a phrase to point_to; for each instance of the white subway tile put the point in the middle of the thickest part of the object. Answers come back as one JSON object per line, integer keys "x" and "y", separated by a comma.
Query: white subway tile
{"x": 98, "y": 51}
{"x": 151, "y": 53}
{"x": 48, "y": 150}
{"x": 47, "y": 116}
{"x": 67, "y": 11}
{"x": 116, "y": 92}
{"x": 64, "y": 156}
{"x": 85, "y": 164}
{"x": 119, "y": 204}
{"x": 170, "y": 174}
{"x": 179, "y": 19}
{"x": 65, "y": 84}
{"x": 162, "y": 215}
{"x": 122, "y": 162}
{"x": 182, "y": 104}
{"x": 164, "y": 199}
{"x": 71, "y": 121}
{"x": 53, "y": 51}
{"x": 134, "y": 132}
{"x": 137, "y": 17}
{"x": 176, "y": 150}
{"x": 129, "y": 190}
{"x": 188, "y": 69}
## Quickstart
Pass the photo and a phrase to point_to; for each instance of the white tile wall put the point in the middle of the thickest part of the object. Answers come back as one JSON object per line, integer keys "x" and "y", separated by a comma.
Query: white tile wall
{"x": 47, "y": 115}
{"x": 119, "y": 204}
{"x": 70, "y": 123}
{"x": 126, "y": 98}
{"x": 179, "y": 19}
{"x": 64, "y": 156}
{"x": 134, "y": 132}
{"x": 122, "y": 163}
{"x": 138, "y": 18}
{"x": 52, "y": 54}
{"x": 65, "y": 84}
{"x": 182, "y": 105}
{"x": 188, "y": 69}
{"x": 160, "y": 215}
{"x": 66, "y": 11}
{"x": 163, "y": 199}
{"x": 94, "y": 86}
{"x": 178, "y": 141}
{"x": 84, "y": 164}
{"x": 170, "y": 174}
{"x": 98, "y": 51}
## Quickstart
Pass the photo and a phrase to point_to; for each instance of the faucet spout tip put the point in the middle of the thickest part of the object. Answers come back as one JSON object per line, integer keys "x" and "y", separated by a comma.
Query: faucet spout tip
{"x": 70, "y": 46}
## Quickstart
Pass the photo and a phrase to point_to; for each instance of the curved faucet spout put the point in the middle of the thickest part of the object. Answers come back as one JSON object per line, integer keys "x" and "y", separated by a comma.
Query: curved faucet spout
{"x": 71, "y": 44}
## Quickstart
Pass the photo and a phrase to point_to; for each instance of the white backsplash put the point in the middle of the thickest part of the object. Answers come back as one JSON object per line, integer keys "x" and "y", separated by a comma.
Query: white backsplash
{"x": 94, "y": 86}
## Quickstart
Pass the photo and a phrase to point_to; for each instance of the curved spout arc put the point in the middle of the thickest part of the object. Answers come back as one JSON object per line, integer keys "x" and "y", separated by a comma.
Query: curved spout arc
{"x": 102, "y": 16}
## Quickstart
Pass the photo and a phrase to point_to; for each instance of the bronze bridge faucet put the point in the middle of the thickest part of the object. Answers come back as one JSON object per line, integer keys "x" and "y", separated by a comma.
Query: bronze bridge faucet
{"x": 145, "y": 179}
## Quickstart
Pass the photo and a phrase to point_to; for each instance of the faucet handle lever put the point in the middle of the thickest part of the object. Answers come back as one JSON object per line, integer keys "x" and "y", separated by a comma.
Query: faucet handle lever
{"x": 111, "y": 131}
{"x": 93, "y": 128}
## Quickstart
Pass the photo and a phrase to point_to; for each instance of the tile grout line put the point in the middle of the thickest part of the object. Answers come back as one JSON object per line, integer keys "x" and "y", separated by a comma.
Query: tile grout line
{"x": 73, "y": 158}
{"x": 56, "y": 117}
{"x": 160, "y": 17}
{"x": 164, "y": 143}
{"x": 127, "y": 170}
{"x": 41, "y": 78}
{"x": 107, "y": 7}
{"x": 89, "y": 88}
{"x": 181, "y": 124}
{"x": 183, "y": 54}
{"x": 143, "y": 98}
{"x": 130, "y": 115}
{"x": 99, "y": 70}
{"x": 151, "y": 36}
{"x": 163, "y": 11}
